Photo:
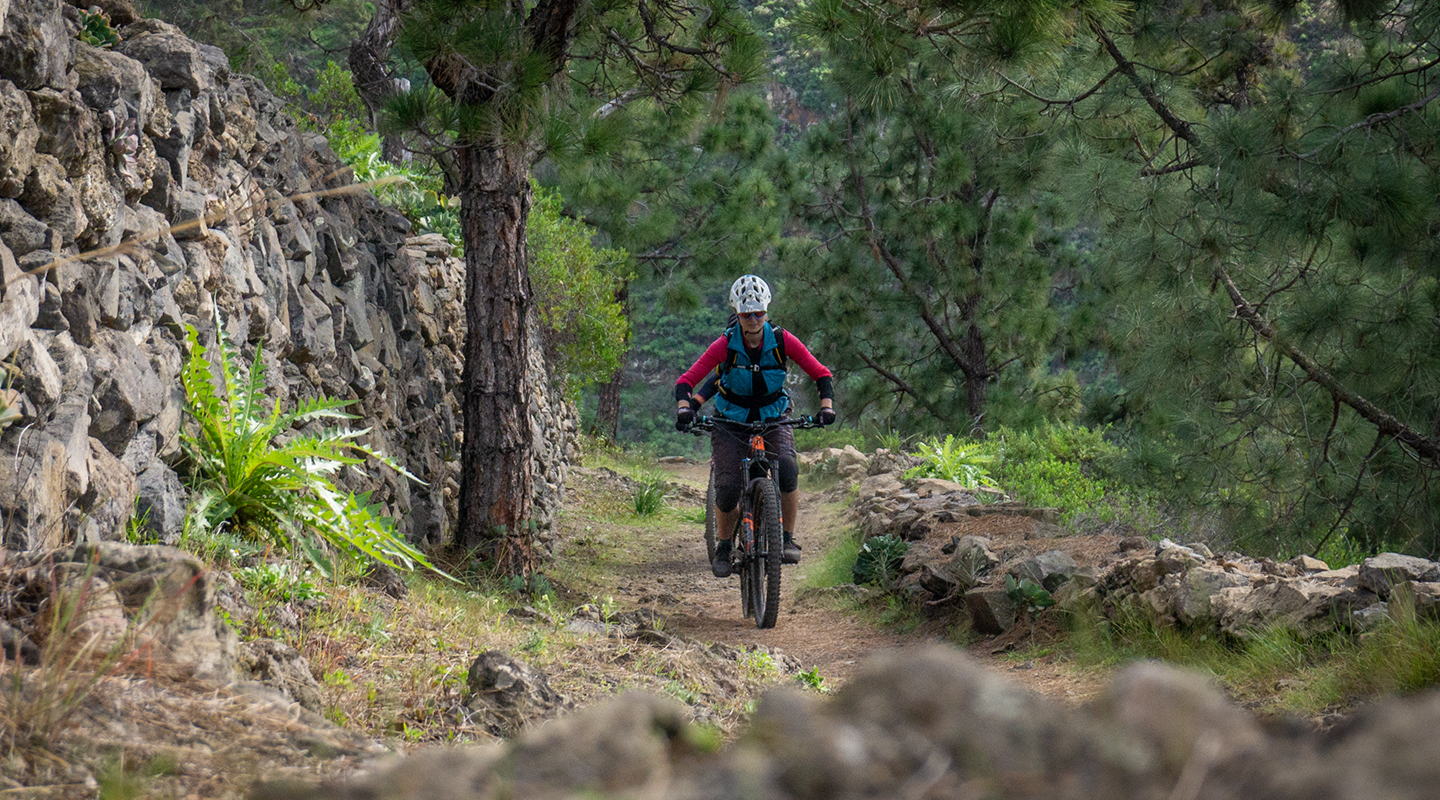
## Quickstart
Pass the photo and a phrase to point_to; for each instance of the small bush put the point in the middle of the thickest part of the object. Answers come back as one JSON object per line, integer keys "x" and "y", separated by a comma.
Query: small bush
{"x": 878, "y": 561}
{"x": 252, "y": 474}
{"x": 965, "y": 463}
{"x": 650, "y": 493}
{"x": 278, "y": 582}
{"x": 1027, "y": 595}
{"x": 1074, "y": 469}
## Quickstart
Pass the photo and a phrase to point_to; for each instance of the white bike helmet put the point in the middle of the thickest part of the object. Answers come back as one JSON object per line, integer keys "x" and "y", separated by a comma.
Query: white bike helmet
{"x": 749, "y": 293}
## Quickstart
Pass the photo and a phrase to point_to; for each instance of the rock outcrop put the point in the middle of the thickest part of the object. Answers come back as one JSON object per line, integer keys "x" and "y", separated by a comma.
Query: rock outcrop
{"x": 144, "y": 187}
{"x": 1165, "y": 583}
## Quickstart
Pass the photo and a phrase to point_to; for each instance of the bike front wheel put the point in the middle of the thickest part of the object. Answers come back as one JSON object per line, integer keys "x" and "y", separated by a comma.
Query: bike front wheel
{"x": 764, "y": 564}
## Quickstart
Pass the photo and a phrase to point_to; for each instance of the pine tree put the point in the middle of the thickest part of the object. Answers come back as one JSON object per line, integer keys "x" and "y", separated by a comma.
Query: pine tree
{"x": 685, "y": 189}
{"x": 510, "y": 82}
{"x": 930, "y": 258}
{"x": 1265, "y": 180}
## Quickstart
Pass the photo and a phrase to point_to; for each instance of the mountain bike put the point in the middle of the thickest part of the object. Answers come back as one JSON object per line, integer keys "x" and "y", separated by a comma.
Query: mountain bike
{"x": 758, "y": 533}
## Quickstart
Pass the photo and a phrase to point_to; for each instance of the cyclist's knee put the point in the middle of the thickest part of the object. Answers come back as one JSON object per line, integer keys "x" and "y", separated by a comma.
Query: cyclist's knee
{"x": 789, "y": 474}
{"x": 727, "y": 498}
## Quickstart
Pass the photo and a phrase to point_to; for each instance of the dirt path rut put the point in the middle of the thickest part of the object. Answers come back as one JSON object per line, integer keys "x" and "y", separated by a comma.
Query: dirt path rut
{"x": 673, "y": 577}
{"x": 708, "y": 608}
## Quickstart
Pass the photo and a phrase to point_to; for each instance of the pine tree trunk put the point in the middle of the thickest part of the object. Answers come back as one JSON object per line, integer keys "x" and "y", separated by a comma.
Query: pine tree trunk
{"x": 496, "y": 486}
{"x": 368, "y": 71}
{"x": 607, "y": 414}
{"x": 977, "y": 381}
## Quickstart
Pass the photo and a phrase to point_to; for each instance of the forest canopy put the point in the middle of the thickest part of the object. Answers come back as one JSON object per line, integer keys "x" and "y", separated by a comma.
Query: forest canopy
{"x": 1205, "y": 228}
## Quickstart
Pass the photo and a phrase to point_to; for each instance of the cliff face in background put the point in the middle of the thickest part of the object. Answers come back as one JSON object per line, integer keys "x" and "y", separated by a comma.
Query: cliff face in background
{"x": 141, "y": 188}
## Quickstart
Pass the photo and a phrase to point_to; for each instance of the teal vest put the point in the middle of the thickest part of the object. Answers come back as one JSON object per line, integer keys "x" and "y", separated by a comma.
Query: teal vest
{"x": 752, "y": 391}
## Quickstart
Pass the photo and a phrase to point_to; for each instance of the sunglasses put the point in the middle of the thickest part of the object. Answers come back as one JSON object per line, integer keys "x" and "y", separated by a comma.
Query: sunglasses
{"x": 752, "y": 315}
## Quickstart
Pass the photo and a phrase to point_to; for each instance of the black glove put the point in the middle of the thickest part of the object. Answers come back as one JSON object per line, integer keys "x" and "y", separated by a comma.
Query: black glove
{"x": 683, "y": 418}
{"x": 826, "y": 416}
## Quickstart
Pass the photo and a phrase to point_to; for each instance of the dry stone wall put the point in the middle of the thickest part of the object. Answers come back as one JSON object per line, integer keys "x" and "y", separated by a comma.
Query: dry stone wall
{"x": 144, "y": 187}
{"x": 1165, "y": 583}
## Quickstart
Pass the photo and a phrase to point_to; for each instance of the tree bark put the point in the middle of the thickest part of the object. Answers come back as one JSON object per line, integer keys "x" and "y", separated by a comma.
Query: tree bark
{"x": 368, "y": 71}
{"x": 607, "y": 412}
{"x": 496, "y": 486}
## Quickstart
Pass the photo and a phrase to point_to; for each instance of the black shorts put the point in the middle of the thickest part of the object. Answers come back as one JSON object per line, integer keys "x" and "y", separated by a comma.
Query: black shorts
{"x": 728, "y": 448}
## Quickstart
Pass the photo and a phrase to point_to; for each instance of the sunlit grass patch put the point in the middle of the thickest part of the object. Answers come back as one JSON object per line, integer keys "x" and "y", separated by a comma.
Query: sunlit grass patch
{"x": 835, "y": 566}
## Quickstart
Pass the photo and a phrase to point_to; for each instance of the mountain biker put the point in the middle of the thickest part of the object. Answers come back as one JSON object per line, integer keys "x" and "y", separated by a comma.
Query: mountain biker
{"x": 751, "y": 358}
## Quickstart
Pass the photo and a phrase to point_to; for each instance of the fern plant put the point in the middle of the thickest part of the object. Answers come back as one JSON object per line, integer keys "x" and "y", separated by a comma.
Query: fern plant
{"x": 964, "y": 463}
{"x": 252, "y": 477}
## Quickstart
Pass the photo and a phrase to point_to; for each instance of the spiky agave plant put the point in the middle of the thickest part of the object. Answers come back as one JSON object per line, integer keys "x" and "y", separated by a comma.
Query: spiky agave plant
{"x": 253, "y": 475}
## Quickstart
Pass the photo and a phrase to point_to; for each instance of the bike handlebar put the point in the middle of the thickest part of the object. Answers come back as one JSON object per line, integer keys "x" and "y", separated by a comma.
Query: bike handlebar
{"x": 705, "y": 424}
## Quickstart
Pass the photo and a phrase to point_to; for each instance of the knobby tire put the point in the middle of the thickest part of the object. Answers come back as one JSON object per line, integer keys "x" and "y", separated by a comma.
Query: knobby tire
{"x": 765, "y": 562}
{"x": 710, "y": 518}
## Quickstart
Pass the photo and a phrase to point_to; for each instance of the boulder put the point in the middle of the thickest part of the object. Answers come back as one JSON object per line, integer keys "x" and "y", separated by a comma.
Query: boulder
{"x": 18, "y": 137}
{"x": 91, "y": 624}
{"x": 40, "y": 377}
{"x": 108, "y": 78}
{"x": 973, "y": 556}
{"x": 33, "y": 491}
{"x": 19, "y": 304}
{"x": 1306, "y": 606}
{"x": 1308, "y": 564}
{"x": 21, "y": 232}
{"x": 623, "y": 746}
{"x": 877, "y": 486}
{"x": 1424, "y": 597}
{"x": 49, "y": 195}
{"x": 1193, "y": 591}
{"x": 129, "y": 391}
{"x": 171, "y": 597}
{"x": 172, "y": 59}
{"x": 109, "y": 501}
{"x": 35, "y": 44}
{"x": 160, "y": 502}
{"x": 991, "y": 610}
{"x": 506, "y": 694}
{"x": 1161, "y": 717}
{"x": 69, "y": 130}
{"x": 1380, "y": 573}
{"x": 280, "y": 667}
{"x": 1048, "y": 569}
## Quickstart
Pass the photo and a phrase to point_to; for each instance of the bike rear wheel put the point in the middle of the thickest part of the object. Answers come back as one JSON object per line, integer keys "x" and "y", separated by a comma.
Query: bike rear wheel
{"x": 764, "y": 563}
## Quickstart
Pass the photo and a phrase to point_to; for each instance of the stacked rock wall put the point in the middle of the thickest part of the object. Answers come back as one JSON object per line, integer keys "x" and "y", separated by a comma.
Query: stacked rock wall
{"x": 146, "y": 186}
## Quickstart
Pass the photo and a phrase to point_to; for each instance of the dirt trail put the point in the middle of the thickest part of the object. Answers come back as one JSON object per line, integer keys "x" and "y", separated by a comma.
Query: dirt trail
{"x": 708, "y": 608}
{"x": 675, "y": 579}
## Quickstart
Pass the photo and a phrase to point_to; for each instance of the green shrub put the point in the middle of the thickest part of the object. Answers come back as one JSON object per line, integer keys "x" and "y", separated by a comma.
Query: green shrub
{"x": 251, "y": 474}
{"x": 1027, "y": 594}
{"x": 650, "y": 493}
{"x": 878, "y": 561}
{"x": 1072, "y": 468}
{"x": 586, "y": 331}
{"x": 830, "y": 436}
{"x": 965, "y": 463}
{"x": 276, "y": 582}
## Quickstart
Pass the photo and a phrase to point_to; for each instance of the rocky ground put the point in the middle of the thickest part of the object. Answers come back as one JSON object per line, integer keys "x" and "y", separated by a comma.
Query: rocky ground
{"x": 131, "y": 720}
{"x": 405, "y": 670}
